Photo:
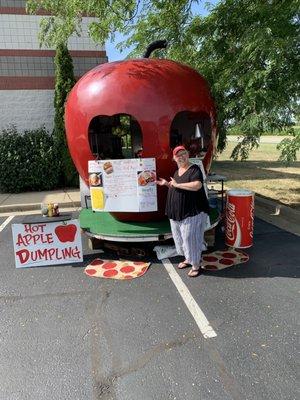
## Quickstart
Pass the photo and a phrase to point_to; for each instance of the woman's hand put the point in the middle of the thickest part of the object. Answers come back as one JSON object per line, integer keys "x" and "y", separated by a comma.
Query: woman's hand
{"x": 162, "y": 182}
{"x": 173, "y": 183}
{"x": 192, "y": 186}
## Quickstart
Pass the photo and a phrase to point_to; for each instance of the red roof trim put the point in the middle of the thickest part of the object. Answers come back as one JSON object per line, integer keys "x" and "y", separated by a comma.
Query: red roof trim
{"x": 26, "y": 83}
{"x": 20, "y": 11}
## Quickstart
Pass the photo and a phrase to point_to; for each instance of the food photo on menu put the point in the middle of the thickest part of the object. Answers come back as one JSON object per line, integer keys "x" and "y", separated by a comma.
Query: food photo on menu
{"x": 108, "y": 167}
{"x": 146, "y": 177}
{"x": 95, "y": 179}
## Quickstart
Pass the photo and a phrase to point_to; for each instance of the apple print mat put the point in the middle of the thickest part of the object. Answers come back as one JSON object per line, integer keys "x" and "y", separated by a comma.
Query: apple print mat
{"x": 114, "y": 269}
{"x": 218, "y": 260}
{"x": 125, "y": 269}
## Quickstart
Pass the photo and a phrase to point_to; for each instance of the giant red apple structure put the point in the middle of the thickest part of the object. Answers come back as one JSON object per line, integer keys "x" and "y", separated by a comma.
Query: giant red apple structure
{"x": 165, "y": 98}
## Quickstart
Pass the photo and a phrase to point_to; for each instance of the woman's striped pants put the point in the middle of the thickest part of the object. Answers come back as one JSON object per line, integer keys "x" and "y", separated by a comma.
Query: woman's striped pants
{"x": 188, "y": 237}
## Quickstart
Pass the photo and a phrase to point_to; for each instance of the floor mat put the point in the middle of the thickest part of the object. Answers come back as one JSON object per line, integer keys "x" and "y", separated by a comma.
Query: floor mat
{"x": 223, "y": 259}
{"x": 113, "y": 269}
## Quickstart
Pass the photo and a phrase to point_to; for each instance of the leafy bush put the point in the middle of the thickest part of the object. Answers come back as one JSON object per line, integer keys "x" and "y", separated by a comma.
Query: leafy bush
{"x": 37, "y": 160}
{"x": 27, "y": 161}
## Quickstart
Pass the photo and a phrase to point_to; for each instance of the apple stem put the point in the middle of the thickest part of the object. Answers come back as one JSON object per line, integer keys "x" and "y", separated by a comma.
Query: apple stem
{"x": 158, "y": 44}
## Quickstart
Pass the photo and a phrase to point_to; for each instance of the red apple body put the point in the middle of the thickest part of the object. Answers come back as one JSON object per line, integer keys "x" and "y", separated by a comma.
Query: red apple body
{"x": 153, "y": 91}
{"x": 66, "y": 233}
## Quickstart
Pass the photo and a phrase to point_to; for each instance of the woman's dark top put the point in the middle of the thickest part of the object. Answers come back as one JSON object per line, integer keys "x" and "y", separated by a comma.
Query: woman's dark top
{"x": 186, "y": 203}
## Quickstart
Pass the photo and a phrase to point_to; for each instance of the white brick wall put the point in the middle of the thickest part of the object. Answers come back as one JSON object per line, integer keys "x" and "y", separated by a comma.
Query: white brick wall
{"x": 29, "y": 109}
{"x": 21, "y": 32}
{"x": 17, "y": 105}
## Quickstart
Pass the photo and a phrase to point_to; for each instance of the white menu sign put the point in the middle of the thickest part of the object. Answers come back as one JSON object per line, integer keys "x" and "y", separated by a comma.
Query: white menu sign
{"x": 126, "y": 185}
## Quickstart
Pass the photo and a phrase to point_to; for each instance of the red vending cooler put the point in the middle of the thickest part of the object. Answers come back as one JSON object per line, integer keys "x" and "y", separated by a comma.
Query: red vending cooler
{"x": 239, "y": 218}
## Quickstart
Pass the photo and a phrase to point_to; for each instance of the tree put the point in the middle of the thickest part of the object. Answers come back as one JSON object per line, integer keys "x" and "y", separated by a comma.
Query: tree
{"x": 110, "y": 16}
{"x": 64, "y": 81}
{"x": 247, "y": 50}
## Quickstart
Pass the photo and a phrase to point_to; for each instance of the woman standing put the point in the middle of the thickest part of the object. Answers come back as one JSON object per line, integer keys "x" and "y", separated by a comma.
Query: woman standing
{"x": 187, "y": 208}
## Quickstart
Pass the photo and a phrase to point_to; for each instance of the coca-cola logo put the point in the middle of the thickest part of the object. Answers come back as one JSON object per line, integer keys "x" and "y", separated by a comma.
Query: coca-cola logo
{"x": 230, "y": 221}
{"x": 251, "y": 222}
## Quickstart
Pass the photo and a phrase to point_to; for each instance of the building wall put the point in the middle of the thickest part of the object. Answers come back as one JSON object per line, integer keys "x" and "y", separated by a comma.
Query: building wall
{"x": 27, "y": 71}
{"x": 27, "y": 109}
{"x": 21, "y": 32}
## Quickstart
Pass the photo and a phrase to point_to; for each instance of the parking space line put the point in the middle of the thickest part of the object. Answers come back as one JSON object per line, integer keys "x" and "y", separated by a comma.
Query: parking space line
{"x": 198, "y": 315}
{"x": 6, "y": 222}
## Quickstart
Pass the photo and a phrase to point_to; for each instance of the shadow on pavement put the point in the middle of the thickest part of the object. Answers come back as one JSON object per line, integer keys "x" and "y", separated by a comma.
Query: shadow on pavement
{"x": 275, "y": 253}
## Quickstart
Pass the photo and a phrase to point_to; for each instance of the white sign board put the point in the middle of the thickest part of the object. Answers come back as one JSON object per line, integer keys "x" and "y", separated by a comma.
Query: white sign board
{"x": 199, "y": 162}
{"x": 126, "y": 185}
{"x": 50, "y": 243}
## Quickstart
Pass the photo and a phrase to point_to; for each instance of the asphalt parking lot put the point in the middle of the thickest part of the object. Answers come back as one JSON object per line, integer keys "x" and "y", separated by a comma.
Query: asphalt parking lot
{"x": 65, "y": 335}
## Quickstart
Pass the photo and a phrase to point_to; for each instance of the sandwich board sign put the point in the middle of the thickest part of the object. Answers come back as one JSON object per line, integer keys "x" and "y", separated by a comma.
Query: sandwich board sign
{"x": 47, "y": 243}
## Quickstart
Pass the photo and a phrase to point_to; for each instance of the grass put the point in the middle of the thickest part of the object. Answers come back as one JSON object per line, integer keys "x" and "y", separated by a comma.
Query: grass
{"x": 235, "y": 132}
{"x": 262, "y": 173}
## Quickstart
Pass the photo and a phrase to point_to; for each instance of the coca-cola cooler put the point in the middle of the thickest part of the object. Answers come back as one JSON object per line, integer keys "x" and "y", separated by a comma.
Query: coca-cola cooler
{"x": 239, "y": 218}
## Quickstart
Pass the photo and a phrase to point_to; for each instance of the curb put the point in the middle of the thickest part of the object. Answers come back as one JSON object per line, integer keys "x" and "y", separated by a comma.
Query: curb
{"x": 278, "y": 214}
{"x": 274, "y": 207}
{"x": 35, "y": 206}
{"x": 269, "y": 210}
{"x": 277, "y": 208}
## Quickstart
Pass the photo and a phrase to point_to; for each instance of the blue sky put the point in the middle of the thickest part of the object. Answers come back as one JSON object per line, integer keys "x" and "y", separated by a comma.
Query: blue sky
{"x": 114, "y": 54}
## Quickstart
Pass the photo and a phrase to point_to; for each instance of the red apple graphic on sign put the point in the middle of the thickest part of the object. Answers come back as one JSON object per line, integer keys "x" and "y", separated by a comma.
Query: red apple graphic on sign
{"x": 66, "y": 233}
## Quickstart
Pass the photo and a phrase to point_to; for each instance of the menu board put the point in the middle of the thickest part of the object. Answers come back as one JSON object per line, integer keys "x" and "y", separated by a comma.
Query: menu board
{"x": 126, "y": 185}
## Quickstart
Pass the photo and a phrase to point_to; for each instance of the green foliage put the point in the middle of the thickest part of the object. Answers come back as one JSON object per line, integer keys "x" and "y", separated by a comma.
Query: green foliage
{"x": 289, "y": 148}
{"x": 235, "y": 131}
{"x": 246, "y": 49}
{"x": 64, "y": 81}
{"x": 111, "y": 16}
{"x": 243, "y": 148}
{"x": 27, "y": 161}
{"x": 123, "y": 131}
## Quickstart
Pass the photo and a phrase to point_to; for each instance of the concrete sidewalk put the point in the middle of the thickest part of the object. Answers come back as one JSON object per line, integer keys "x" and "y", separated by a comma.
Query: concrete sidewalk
{"x": 9, "y": 203}
{"x": 268, "y": 210}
